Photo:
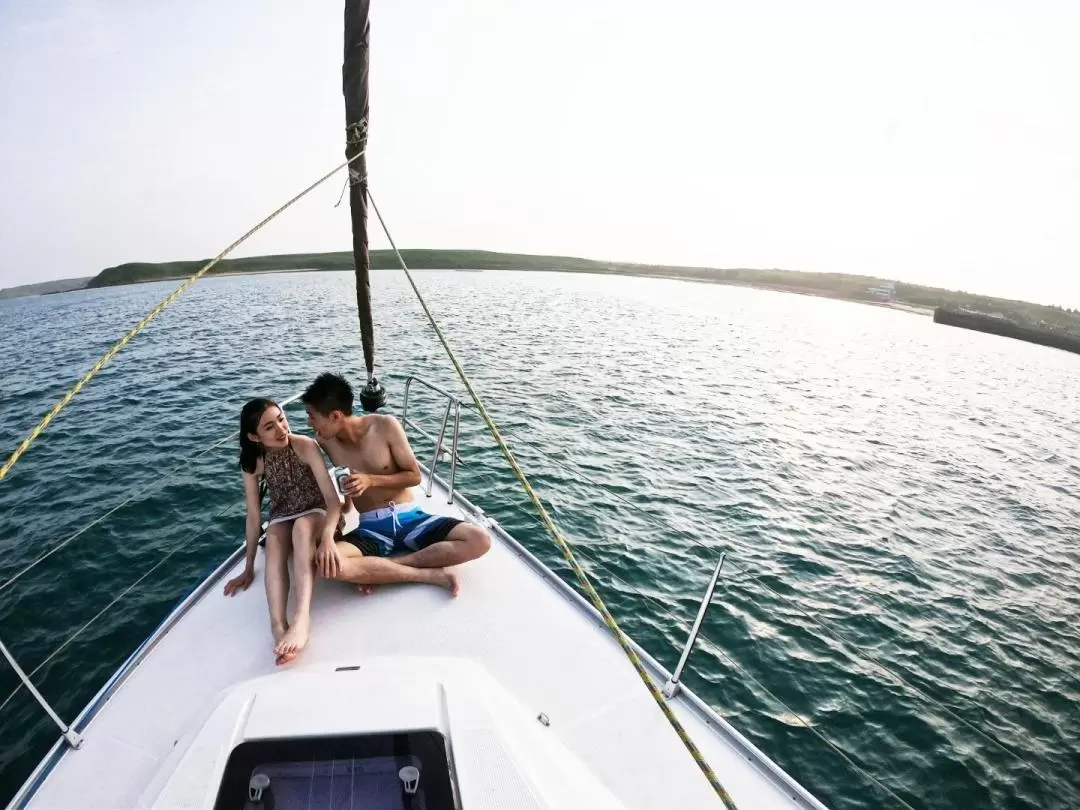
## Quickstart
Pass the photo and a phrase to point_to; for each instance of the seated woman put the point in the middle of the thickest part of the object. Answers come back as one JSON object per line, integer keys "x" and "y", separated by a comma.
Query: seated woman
{"x": 303, "y": 505}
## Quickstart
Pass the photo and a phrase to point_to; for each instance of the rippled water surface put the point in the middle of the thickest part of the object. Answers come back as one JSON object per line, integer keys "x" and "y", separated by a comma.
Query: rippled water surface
{"x": 884, "y": 487}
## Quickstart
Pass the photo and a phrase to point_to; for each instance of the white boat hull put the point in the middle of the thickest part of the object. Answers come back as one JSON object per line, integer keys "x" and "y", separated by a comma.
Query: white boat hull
{"x": 515, "y": 621}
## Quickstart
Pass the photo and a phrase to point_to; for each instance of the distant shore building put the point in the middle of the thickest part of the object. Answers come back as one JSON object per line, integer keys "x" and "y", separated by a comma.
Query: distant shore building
{"x": 886, "y": 291}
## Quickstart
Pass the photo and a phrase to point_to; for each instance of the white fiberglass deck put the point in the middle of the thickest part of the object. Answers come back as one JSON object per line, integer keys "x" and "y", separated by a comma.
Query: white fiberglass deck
{"x": 534, "y": 639}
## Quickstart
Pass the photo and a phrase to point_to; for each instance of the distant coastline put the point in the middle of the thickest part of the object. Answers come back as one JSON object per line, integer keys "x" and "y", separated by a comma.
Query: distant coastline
{"x": 46, "y": 287}
{"x": 862, "y": 289}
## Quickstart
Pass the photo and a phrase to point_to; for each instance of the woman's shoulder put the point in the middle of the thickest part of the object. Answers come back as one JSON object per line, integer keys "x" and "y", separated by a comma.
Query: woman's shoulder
{"x": 304, "y": 446}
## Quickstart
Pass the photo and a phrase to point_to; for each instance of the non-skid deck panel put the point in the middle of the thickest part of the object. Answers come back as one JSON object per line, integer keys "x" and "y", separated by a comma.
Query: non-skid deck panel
{"x": 529, "y": 636}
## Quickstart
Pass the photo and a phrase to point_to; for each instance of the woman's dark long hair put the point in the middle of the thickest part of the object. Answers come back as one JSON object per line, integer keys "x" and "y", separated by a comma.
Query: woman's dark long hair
{"x": 250, "y": 416}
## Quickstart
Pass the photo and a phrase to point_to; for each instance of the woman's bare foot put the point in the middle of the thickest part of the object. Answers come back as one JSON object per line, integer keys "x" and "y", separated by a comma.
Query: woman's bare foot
{"x": 294, "y": 640}
{"x": 366, "y": 590}
{"x": 280, "y": 629}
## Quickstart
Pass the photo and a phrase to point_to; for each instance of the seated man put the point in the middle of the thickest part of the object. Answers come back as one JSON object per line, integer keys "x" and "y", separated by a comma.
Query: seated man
{"x": 383, "y": 471}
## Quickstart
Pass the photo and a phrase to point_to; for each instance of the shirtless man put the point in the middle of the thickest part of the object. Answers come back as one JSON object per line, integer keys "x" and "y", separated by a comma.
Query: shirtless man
{"x": 383, "y": 471}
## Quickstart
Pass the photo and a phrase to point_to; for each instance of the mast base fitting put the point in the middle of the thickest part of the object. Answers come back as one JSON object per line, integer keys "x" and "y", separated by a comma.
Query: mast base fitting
{"x": 372, "y": 396}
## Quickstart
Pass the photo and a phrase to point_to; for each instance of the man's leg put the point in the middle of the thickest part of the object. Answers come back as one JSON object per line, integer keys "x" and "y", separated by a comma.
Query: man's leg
{"x": 303, "y": 543}
{"x": 276, "y": 555}
{"x": 465, "y": 542}
{"x": 362, "y": 570}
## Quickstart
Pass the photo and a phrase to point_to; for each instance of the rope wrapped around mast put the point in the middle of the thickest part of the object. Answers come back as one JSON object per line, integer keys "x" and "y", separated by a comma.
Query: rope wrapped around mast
{"x": 354, "y": 86}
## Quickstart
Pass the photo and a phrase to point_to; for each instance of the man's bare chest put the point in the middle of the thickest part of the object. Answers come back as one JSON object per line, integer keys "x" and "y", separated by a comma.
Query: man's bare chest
{"x": 372, "y": 456}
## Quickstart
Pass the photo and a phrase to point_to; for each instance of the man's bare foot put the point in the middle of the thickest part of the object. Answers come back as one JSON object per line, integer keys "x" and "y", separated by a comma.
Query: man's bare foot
{"x": 366, "y": 590}
{"x": 294, "y": 641}
{"x": 445, "y": 579}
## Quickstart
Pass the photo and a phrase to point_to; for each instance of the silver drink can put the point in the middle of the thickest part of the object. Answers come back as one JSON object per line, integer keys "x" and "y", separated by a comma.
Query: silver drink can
{"x": 338, "y": 475}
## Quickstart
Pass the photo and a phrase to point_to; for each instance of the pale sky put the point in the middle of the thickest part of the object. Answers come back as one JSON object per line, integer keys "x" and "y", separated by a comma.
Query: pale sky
{"x": 936, "y": 142}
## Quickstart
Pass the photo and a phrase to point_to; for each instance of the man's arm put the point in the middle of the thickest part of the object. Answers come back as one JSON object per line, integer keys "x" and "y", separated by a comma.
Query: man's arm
{"x": 328, "y": 447}
{"x": 408, "y": 474}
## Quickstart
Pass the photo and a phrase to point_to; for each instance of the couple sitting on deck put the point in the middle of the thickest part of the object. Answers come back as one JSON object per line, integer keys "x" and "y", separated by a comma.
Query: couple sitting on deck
{"x": 395, "y": 540}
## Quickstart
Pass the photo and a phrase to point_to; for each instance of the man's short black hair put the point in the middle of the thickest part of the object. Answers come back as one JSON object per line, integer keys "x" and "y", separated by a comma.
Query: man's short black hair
{"x": 328, "y": 393}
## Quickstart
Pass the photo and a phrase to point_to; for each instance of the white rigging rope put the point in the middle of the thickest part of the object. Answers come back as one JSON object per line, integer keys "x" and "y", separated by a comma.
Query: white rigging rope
{"x": 185, "y": 543}
{"x": 132, "y": 495}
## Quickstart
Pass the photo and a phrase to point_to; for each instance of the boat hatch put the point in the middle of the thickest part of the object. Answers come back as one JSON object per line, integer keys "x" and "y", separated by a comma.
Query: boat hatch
{"x": 395, "y": 771}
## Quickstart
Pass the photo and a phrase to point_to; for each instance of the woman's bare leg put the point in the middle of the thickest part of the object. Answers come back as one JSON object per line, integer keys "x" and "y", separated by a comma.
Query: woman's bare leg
{"x": 278, "y": 546}
{"x": 303, "y": 544}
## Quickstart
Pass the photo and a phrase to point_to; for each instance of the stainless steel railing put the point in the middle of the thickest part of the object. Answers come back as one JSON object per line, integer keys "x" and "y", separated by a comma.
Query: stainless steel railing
{"x": 453, "y": 405}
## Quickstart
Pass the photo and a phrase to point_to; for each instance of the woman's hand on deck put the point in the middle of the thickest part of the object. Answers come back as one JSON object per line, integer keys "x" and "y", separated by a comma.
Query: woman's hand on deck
{"x": 240, "y": 583}
{"x": 327, "y": 559}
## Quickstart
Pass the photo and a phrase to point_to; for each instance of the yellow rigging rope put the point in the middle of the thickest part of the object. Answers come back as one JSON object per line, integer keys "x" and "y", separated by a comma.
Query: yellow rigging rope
{"x": 560, "y": 540}
{"x": 111, "y": 353}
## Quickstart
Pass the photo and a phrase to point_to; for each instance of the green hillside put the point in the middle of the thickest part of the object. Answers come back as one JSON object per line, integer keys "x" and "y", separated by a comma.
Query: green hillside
{"x": 380, "y": 260}
{"x": 45, "y": 287}
{"x": 838, "y": 285}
